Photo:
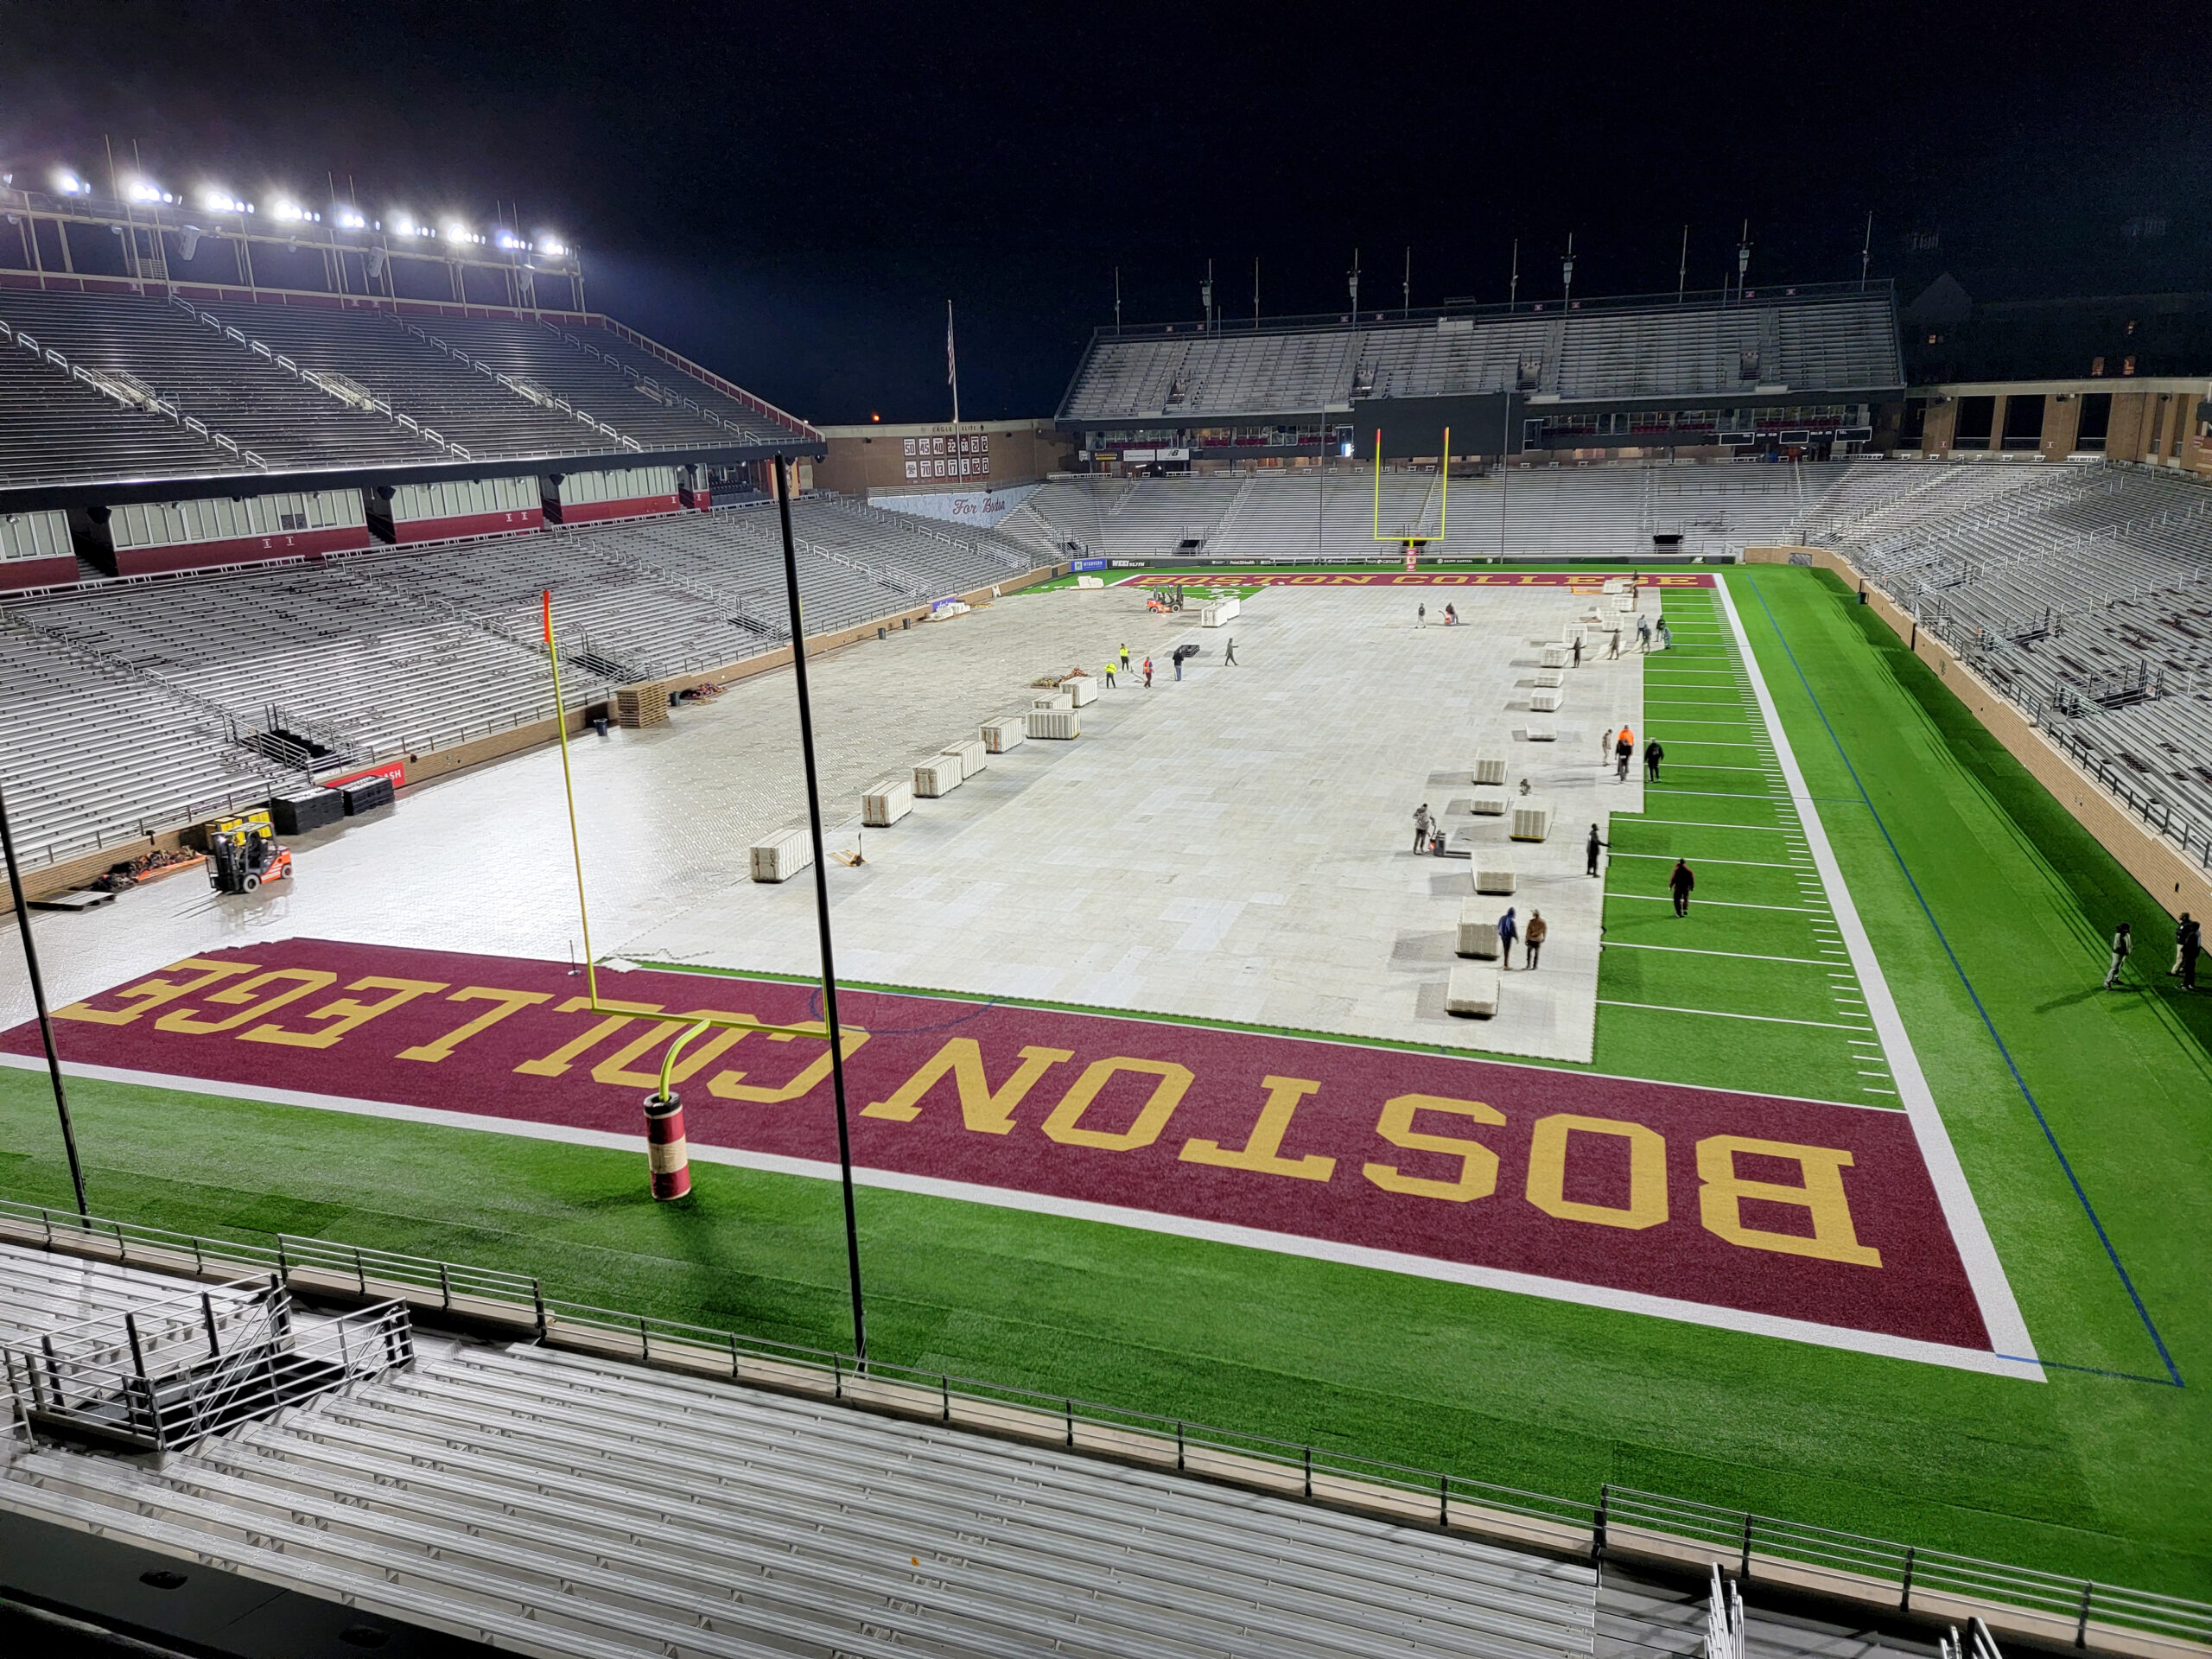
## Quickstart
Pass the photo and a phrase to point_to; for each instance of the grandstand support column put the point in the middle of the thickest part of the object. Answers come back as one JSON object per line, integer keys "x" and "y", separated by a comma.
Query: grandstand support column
{"x": 38, "y": 1002}
{"x": 831, "y": 1027}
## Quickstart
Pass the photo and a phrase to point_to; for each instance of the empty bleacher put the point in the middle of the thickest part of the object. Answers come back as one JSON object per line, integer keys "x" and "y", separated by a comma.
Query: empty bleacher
{"x": 57, "y": 428}
{"x": 567, "y": 1505}
{"x": 394, "y": 359}
{"x": 1298, "y": 515}
{"x": 2082, "y": 592}
{"x": 117, "y": 386}
{"x": 276, "y": 418}
{"x": 138, "y": 705}
{"x": 1799, "y": 342}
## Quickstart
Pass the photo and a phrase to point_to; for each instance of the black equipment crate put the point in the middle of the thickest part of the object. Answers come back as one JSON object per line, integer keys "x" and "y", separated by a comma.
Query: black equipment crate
{"x": 311, "y": 808}
{"x": 366, "y": 794}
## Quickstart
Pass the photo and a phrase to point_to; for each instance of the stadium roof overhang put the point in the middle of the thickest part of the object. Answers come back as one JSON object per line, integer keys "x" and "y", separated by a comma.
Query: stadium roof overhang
{"x": 199, "y": 487}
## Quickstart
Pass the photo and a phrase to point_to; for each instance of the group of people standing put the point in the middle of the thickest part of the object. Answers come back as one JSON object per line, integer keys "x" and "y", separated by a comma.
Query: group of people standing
{"x": 2188, "y": 944}
{"x": 1622, "y": 746}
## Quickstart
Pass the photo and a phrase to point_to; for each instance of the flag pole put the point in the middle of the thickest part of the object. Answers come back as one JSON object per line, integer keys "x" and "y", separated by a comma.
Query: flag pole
{"x": 952, "y": 367}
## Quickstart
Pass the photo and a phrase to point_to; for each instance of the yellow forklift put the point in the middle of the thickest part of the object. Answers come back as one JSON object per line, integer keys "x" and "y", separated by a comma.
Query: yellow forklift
{"x": 243, "y": 853}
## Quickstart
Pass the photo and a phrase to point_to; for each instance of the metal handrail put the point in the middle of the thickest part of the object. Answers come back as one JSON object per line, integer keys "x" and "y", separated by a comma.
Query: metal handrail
{"x": 519, "y": 1301}
{"x": 1748, "y": 1540}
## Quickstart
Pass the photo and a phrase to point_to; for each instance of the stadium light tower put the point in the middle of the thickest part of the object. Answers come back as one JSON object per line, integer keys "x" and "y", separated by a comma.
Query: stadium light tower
{"x": 1354, "y": 285}
{"x": 1743, "y": 257}
{"x": 1866, "y": 251}
{"x": 1513, "y": 282}
{"x": 1205, "y": 297}
{"x": 1566, "y": 272}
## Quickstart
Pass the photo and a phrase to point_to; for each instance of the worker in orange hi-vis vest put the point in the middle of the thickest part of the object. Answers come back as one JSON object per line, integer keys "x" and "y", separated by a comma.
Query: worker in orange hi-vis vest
{"x": 1624, "y": 752}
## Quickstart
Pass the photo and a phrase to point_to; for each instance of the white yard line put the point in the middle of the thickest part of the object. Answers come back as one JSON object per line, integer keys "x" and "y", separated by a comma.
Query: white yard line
{"x": 2000, "y": 1310}
{"x": 1719, "y": 1013}
{"x": 1692, "y": 950}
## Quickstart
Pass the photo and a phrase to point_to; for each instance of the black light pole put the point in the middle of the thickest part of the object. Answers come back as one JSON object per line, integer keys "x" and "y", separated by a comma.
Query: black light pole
{"x": 38, "y": 1001}
{"x": 821, "y": 902}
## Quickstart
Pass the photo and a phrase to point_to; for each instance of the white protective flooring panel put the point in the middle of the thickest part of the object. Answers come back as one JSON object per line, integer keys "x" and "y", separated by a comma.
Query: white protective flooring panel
{"x": 1167, "y": 866}
{"x": 1158, "y": 864}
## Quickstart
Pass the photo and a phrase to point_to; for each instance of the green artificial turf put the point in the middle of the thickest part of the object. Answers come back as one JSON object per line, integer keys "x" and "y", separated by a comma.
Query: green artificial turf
{"x": 2096, "y": 1471}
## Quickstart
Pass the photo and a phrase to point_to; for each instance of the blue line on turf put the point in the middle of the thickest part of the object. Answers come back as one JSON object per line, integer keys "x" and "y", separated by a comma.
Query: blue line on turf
{"x": 2026, "y": 1093}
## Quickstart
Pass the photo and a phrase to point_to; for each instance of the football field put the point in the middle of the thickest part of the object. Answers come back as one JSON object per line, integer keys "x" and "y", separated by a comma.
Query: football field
{"x": 1869, "y": 1208}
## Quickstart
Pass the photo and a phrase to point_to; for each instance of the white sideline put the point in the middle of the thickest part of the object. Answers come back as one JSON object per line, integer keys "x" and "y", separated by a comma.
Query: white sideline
{"x": 2000, "y": 1312}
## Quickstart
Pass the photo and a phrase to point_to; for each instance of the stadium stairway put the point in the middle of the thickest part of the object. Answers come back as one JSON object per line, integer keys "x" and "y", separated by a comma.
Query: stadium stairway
{"x": 556, "y": 1504}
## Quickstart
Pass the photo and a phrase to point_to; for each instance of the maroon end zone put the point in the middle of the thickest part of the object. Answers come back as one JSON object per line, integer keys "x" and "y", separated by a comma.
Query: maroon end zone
{"x": 1798, "y": 1209}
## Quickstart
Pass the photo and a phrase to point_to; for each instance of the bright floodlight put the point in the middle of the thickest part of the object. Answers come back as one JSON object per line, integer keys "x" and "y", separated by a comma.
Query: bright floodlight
{"x": 282, "y": 209}
{"x": 402, "y": 226}
{"x": 220, "y": 201}
{"x": 70, "y": 185}
{"x": 455, "y": 231}
{"x": 550, "y": 246}
{"x": 350, "y": 220}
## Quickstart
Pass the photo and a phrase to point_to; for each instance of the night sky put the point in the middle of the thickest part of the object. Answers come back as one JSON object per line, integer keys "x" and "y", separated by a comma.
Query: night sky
{"x": 791, "y": 194}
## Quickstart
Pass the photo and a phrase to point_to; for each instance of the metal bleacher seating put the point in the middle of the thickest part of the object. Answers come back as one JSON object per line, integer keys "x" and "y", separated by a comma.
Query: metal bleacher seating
{"x": 395, "y": 360}
{"x": 1798, "y": 340}
{"x": 561, "y": 1505}
{"x": 56, "y": 426}
{"x": 133, "y": 705}
{"x": 98, "y": 386}
{"x": 277, "y": 419}
{"x": 2082, "y": 593}
{"x": 1610, "y": 512}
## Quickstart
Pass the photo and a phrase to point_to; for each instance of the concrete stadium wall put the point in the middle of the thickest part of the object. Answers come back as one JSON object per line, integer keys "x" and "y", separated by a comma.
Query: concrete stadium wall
{"x": 2165, "y": 874}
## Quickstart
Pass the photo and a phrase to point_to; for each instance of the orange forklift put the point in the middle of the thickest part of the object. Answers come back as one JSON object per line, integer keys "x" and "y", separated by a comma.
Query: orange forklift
{"x": 243, "y": 853}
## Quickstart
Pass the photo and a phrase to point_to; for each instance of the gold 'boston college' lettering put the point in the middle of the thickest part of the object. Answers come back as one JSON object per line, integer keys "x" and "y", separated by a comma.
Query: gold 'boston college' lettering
{"x": 346, "y": 1015}
{"x": 1262, "y": 1149}
{"x": 728, "y": 1085}
{"x": 1065, "y": 1124}
{"x": 982, "y": 1108}
{"x": 150, "y": 994}
{"x": 1720, "y": 1199}
{"x": 1478, "y": 1163}
{"x": 1647, "y": 1172}
{"x": 507, "y": 1002}
{"x": 258, "y": 994}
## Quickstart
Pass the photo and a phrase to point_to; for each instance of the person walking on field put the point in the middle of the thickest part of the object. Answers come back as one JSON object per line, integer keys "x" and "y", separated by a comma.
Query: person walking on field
{"x": 1614, "y": 654}
{"x": 1229, "y": 659}
{"x": 1532, "y": 941}
{"x": 1109, "y": 672}
{"x": 1147, "y": 673}
{"x": 1125, "y": 657}
{"x": 1592, "y": 848}
{"x": 1666, "y": 636}
{"x": 1420, "y": 616}
{"x": 1624, "y": 752}
{"x": 1420, "y": 826}
{"x": 1508, "y": 930}
{"x": 1643, "y": 633}
{"x": 2121, "y": 944}
{"x": 1577, "y": 644}
{"x": 1653, "y": 755}
{"x": 1679, "y": 880}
